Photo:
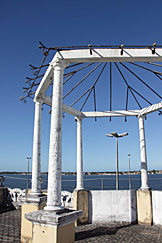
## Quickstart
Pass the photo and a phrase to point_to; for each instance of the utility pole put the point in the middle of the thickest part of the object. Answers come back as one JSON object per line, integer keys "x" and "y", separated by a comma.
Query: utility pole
{"x": 114, "y": 134}
{"x": 129, "y": 173}
{"x": 28, "y": 158}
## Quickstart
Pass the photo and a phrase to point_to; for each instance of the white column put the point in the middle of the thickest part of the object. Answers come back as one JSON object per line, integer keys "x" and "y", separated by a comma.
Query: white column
{"x": 117, "y": 166}
{"x": 79, "y": 155}
{"x": 144, "y": 176}
{"x": 36, "y": 163}
{"x": 55, "y": 150}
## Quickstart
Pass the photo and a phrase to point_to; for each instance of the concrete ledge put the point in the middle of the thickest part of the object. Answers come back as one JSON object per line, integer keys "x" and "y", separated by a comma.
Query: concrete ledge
{"x": 34, "y": 199}
{"x": 144, "y": 207}
{"x": 52, "y": 218}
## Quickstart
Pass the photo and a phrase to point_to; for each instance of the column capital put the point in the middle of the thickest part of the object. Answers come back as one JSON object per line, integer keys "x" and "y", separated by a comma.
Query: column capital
{"x": 141, "y": 116}
{"x": 39, "y": 100}
{"x": 79, "y": 118}
{"x": 59, "y": 64}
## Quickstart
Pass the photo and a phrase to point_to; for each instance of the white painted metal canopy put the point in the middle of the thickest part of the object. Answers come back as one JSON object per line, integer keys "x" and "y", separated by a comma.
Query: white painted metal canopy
{"x": 98, "y": 55}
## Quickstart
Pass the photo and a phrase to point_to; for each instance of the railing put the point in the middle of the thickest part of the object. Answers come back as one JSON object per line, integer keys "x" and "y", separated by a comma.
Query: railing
{"x": 15, "y": 194}
{"x": 102, "y": 183}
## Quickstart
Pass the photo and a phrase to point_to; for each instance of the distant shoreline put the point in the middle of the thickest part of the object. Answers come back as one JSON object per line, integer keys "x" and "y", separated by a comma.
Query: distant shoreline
{"x": 88, "y": 173}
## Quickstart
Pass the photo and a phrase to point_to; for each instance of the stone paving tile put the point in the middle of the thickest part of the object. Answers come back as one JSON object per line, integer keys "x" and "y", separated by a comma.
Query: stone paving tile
{"x": 10, "y": 227}
{"x": 120, "y": 233}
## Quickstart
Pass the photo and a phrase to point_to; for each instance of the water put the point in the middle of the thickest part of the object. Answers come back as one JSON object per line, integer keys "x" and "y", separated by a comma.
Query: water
{"x": 91, "y": 182}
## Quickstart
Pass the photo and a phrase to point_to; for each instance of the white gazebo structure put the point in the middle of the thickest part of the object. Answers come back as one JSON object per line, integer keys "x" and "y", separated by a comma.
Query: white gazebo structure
{"x": 55, "y": 72}
{"x": 61, "y": 60}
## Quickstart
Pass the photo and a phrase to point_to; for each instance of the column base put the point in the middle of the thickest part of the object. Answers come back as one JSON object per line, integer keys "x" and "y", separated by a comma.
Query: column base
{"x": 79, "y": 189}
{"x": 80, "y": 202}
{"x": 37, "y": 194}
{"x": 53, "y": 227}
{"x": 146, "y": 188}
{"x": 30, "y": 203}
{"x": 54, "y": 208}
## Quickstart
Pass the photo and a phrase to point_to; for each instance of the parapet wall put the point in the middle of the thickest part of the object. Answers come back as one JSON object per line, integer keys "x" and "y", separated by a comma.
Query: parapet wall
{"x": 157, "y": 207}
{"x": 111, "y": 206}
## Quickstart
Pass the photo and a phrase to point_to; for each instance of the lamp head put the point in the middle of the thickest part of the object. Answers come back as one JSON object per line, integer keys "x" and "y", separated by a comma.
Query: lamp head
{"x": 109, "y": 135}
{"x": 114, "y": 134}
{"x": 123, "y": 134}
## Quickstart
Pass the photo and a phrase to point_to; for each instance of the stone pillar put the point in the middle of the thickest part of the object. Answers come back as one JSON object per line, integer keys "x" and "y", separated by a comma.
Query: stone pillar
{"x": 55, "y": 151}
{"x": 35, "y": 200}
{"x": 36, "y": 165}
{"x": 54, "y": 223}
{"x": 79, "y": 155}
{"x": 144, "y": 176}
{"x": 30, "y": 203}
{"x": 81, "y": 202}
{"x": 53, "y": 227}
{"x": 144, "y": 207}
{"x": 80, "y": 196}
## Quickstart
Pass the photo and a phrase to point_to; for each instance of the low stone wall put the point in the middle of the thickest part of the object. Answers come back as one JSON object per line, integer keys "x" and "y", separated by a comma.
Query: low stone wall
{"x": 157, "y": 207}
{"x": 112, "y": 206}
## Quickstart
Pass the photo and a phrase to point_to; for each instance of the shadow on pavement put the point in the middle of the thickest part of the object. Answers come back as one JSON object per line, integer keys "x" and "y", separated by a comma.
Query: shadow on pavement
{"x": 98, "y": 231}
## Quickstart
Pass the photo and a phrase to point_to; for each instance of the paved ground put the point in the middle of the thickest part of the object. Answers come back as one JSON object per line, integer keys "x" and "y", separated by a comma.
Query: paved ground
{"x": 10, "y": 226}
{"x": 120, "y": 233}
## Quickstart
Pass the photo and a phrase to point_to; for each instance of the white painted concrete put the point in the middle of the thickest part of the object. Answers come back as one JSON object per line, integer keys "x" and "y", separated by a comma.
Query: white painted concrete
{"x": 79, "y": 155}
{"x": 118, "y": 113}
{"x": 68, "y": 109}
{"x": 110, "y": 55}
{"x": 111, "y": 206}
{"x": 151, "y": 108}
{"x": 60, "y": 60}
{"x": 98, "y": 55}
{"x": 144, "y": 176}
{"x": 55, "y": 151}
{"x": 157, "y": 207}
{"x": 45, "y": 82}
{"x": 36, "y": 162}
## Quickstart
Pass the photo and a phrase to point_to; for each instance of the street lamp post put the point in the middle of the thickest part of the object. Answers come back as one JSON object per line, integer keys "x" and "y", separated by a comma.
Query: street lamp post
{"x": 114, "y": 134}
{"x": 129, "y": 173}
{"x": 28, "y": 158}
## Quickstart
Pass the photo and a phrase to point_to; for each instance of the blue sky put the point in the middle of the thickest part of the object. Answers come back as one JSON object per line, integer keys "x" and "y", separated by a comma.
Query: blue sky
{"x": 61, "y": 23}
